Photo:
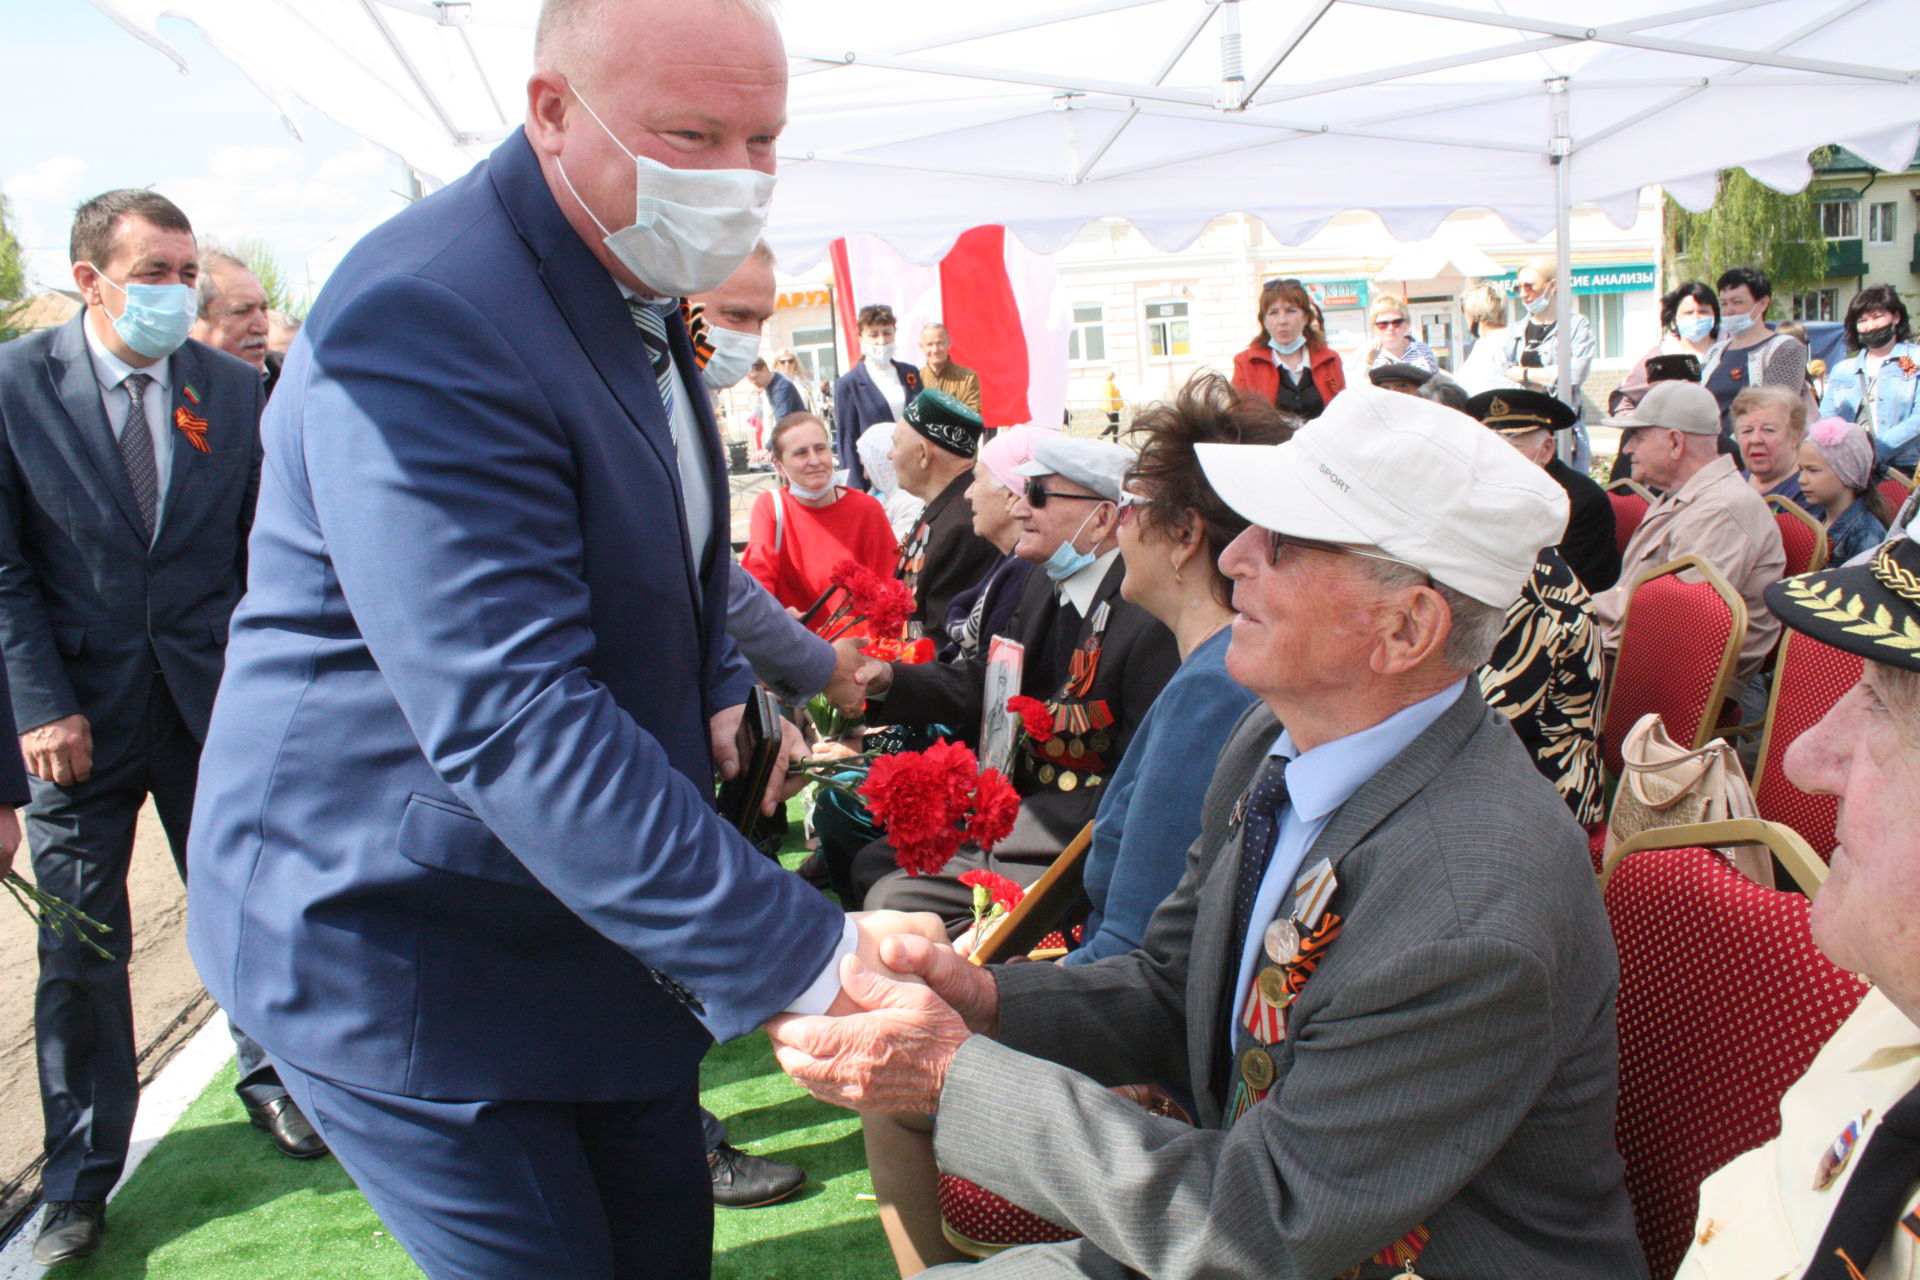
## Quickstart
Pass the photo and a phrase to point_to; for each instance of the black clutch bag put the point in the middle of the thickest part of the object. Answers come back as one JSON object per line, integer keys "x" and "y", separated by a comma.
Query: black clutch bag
{"x": 758, "y": 744}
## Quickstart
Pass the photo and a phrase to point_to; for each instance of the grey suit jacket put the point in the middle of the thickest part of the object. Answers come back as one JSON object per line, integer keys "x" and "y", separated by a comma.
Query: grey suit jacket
{"x": 1452, "y": 1063}
{"x": 90, "y": 614}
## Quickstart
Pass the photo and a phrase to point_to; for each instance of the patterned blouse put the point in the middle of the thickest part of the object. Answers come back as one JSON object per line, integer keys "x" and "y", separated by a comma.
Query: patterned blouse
{"x": 1544, "y": 676}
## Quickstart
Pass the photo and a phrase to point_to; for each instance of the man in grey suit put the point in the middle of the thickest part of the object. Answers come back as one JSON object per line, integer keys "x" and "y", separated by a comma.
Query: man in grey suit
{"x": 129, "y": 462}
{"x": 1386, "y": 973}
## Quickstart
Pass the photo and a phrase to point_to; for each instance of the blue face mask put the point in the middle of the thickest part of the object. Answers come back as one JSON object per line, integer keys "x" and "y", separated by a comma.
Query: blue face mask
{"x": 1288, "y": 348}
{"x": 157, "y": 318}
{"x": 1065, "y": 561}
{"x": 1734, "y": 326}
{"x": 1694, "y": 328}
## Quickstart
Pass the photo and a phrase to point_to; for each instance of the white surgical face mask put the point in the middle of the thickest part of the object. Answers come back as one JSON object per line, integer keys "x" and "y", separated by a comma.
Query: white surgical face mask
{"x": 1734, "y": 326}
{"x": 878, "y": 352}
{"x": 691, "y": 227}
{"x": 733, "y": 354}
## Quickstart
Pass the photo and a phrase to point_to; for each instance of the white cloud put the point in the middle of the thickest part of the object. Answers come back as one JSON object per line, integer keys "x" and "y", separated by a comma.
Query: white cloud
{"x": 55, "y": 180}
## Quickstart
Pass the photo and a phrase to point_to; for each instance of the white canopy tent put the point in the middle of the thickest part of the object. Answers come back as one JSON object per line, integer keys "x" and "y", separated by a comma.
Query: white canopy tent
{"x": 914, "y": 120}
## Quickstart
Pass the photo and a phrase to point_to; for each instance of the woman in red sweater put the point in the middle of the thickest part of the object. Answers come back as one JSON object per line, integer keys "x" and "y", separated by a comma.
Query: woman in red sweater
{"x": 799, "y": 531}
{"x": 1289, "y": 364}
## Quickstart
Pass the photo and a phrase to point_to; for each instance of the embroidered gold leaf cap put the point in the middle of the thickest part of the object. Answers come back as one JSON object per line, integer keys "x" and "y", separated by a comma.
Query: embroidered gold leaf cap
{"x": 1870, "y": 609}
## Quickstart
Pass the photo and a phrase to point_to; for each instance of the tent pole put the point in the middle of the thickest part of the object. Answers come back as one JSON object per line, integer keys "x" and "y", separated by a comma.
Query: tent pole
{"x": 1560, "y": 149}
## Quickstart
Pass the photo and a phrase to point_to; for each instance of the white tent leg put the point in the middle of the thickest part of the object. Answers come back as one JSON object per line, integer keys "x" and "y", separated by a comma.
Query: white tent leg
{"x": 1574, "y": 449}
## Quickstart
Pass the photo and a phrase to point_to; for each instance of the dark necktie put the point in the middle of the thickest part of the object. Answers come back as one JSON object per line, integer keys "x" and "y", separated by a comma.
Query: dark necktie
{"x": 136, "y": 452}
{"x": 1865, "y": 1215}
{"x": 1262, "y": 823}
{"x": 653, "y": 331}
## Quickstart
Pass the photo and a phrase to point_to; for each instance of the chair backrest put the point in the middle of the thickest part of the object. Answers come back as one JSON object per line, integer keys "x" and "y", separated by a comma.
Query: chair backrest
{"x": 1803, "y": 537}
{"x": 1808, "y": 678}
{"x": 1679, "y": 644}
{"x": 1695, "y": 1091}
{"x": 1629, "y": 509}
{"x": 1895, "y": 488}
{"x": 1040, "y": 910}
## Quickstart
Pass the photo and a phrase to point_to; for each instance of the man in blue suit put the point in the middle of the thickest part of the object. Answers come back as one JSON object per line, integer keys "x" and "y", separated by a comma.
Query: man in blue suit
{"x": 877, "y": 389}
{"x": 129, "y": 460}
{"x": 456, "y": 860}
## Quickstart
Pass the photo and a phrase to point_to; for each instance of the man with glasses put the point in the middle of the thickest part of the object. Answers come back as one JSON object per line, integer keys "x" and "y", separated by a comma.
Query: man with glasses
{"x": 1386, "y": 972}
{"x": 1095, "y": 659}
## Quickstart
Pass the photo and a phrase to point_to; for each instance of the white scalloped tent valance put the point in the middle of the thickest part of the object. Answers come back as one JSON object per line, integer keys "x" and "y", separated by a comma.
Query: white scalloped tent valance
{"x": 913, "y": 121}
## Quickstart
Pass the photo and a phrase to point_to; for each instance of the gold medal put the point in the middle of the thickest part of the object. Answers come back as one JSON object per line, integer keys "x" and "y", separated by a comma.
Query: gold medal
{"x": 1076, "y": 748}
{"x": 1069, "y": 779}
{"x": 1256, "y": 1068}
{"x": 1282, "y": 941}
{"x": 1046, "y": 774}
{"x": 1055, "y": 748}
{"x": 1273, "y": 988}
{"x": 1100, "y": 742}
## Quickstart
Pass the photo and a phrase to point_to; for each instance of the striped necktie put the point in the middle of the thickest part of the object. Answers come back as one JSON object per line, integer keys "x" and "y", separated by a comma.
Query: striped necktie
{"x": 136, "y": 451}
{"x": 653, "y": 331}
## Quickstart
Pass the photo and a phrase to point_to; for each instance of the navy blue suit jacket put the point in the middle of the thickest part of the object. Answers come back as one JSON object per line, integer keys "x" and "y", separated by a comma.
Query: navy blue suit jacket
{"x": 784, "y": 397}
{"x": 857, "y": 405}
{"x": 88, "y": 609}
{"x": 455, "y": 826}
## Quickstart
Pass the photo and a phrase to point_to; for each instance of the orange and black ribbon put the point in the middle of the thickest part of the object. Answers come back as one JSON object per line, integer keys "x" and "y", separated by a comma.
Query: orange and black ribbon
{"x": 193, "y": 426}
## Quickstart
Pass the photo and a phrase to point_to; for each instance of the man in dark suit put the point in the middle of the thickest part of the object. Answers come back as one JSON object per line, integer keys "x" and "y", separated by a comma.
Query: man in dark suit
{"x": 1386, "y": 972}
{"x": 782, "y": 395}
{"x": 129, "y": 461}
{"x": 457, "y": 828}
{"x": 877, "y": 389}
{"x": 1095, "y": 658}
{"x": 1529, "y": 421}
{"x": 934, "y": 445}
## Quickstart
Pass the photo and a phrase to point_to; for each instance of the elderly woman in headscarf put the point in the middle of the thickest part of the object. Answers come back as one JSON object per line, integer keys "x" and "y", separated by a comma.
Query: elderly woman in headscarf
{"x": 1838, "y": 471}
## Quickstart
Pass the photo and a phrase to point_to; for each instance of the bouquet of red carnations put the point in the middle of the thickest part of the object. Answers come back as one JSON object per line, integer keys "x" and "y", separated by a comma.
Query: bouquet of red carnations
{"x": 928, "y": 802}
{"x": 857, "y": 596}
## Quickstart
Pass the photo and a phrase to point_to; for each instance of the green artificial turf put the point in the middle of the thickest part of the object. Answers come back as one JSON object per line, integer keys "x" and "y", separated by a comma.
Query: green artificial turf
{"x": 213, "y": 1201}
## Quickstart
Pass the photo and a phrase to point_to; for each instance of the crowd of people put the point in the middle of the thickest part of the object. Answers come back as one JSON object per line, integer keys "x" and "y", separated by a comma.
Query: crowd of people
{"x": 1318, "y": 668}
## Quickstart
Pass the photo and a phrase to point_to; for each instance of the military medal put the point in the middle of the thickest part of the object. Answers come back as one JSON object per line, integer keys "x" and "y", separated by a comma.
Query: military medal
{"x": 1256, "y": 1068}
{"x": 1055, "y": 748}
{"x": 1273, "y": 988}
{"x": 1833, "y": 1161}
{"x": 1069, "y": 779}
{"x": 1046, "y": 774}
{"x": 1282, "y": 941}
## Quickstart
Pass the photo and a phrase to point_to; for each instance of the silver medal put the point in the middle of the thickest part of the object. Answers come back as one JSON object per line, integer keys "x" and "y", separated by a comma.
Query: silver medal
{"x": 1282, "y": 941}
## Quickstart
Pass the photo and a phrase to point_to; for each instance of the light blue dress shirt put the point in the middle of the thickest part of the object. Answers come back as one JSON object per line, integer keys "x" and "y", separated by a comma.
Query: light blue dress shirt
{"x": 1318, "y": 783}
{"x": 109, "y": 370}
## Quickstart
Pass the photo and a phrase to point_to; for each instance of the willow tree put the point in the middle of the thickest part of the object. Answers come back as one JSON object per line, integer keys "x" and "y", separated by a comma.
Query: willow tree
{"x": 1749, "y": 224}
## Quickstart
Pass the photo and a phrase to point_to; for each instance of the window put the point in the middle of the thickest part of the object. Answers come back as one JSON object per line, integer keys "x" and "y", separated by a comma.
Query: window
{"x": 1882, "y": 224}
{"x": 1606, "y": 312}
{"x": 815, "y": 349}
{"x": 1816, "y": 304}
{"x": 1840, "y": 219}
{"x": 1088, "y": 341}
{"x": 1168, "y": 332}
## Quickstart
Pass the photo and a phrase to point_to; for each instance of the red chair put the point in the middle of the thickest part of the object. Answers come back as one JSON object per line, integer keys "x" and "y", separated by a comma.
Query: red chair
{"x": 1803, "y": 537}
{"x": 1630, "y": 502}
{"x": 1696, "y": 1091}
{"x": 1679, "y": 644}
{"x": 1808, "y": 678}
{"x": 1895, "y": 489}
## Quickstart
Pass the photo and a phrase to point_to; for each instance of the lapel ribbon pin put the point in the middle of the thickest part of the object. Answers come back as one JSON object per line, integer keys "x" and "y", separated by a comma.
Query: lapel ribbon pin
{"x": 193, "y": 426}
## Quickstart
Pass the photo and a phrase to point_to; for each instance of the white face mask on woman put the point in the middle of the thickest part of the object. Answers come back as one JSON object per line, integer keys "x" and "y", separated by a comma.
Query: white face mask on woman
{"x": 691, "y": 227}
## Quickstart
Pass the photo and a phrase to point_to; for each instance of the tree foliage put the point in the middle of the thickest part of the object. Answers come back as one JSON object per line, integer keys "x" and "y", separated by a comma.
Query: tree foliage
{"x": 1749, "y": 224}
{"x": 13, "y": 274}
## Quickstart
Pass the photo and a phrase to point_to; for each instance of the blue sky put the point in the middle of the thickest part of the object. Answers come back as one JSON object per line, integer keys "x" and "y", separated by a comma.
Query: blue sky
{"x": 93, "y": 108}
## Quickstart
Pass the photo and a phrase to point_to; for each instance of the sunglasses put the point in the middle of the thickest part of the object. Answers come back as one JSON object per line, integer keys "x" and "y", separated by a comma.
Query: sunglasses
{"x": 1397, "y": 322}
{"x": 1276, "y": 283}
{"x": 1038, "y": 495}
{"x": 1275, "y": 541}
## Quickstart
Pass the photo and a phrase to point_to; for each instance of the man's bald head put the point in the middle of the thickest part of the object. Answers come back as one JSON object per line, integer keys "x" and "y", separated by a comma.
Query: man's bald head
{"x": 572, "y": 34}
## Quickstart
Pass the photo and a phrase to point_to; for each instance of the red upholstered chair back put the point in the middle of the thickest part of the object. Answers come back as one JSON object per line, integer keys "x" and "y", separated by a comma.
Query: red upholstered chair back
{"x": 1808, "y": 679}
{"x": 1679, "y": 644}
{"x": 1895, "y": 489}
{"x": 1801, "y": 535}
{"x": 1697, "y": 1090}
{"x": 1628, "y": 510}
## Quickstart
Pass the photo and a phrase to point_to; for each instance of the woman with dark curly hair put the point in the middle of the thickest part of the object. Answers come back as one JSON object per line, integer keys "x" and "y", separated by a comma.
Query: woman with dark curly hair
{"x": 1173, "y": 527}
{"x": 1879, "y": 386}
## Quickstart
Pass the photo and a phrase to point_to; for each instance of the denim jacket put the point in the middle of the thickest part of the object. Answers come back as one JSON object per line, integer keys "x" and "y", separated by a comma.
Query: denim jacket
{"x": 1896, "y": 420}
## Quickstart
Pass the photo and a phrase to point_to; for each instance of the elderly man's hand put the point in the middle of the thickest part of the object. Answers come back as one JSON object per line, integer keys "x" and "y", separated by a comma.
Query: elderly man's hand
{"x": 892, "y": 1055}
{"x": 842, "y": 689}
{"x": 964, "y": 985}
{"x": 873, "y": 678}
{"x": 874, "y": 928}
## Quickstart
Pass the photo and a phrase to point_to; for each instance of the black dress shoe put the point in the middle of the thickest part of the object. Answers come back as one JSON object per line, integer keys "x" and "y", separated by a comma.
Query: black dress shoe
{"x": 71, "y": 1229}
{"x": 742, "y": 1181}
{"x": 290, "y": 1132}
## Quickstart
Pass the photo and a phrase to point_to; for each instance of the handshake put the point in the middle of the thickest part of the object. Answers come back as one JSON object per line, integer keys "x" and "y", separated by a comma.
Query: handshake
{"x": 907, "y": 1002}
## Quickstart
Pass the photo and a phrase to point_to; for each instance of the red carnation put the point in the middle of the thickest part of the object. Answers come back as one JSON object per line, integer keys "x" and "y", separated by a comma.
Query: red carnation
{"x": 995, "y": 805}
{"x": 1003, "y": 893}
{"x": 886, "y": 607}
{"x": 1034, "y": 716}
{"x": 912, "y": 795}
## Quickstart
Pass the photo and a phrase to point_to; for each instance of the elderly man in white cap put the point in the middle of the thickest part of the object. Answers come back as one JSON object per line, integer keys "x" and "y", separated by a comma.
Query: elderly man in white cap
{"x": 1386, "y": 973}
{"x": 1097, "y": 661}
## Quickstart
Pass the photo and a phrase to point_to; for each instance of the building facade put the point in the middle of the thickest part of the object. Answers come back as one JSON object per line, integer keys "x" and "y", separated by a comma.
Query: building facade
{"x": 1871, "y": 220}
